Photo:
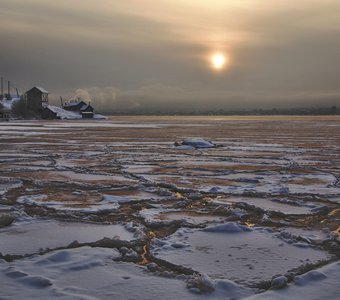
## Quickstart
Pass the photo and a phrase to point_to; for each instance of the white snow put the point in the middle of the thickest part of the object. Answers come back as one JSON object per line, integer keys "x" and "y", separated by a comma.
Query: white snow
{"x": 230, "y": 227}
{"x": 69, "y": 205}
{"x": 42, "y": 90}
{"x": 197, "y": 143}
{"x": 314, "y": 285}
{"x": 107, "y": 175}
{"x": 90, "y": 273}
{"x": 229, "y": 252}
{"x": 9, "y": 103}
{"x": 288, "y": 207}
{"x": 308, "y": 234}
{"x": 64, "y": 114}
{"x": 162, "y": 215}
{"x": 71, "y": 115}
{"x": 28, "y": 236}
{"x": 7, "y": 184}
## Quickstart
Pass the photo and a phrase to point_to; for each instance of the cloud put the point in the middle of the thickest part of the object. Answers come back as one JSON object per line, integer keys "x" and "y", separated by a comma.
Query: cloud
{"x": 142, "y": 54}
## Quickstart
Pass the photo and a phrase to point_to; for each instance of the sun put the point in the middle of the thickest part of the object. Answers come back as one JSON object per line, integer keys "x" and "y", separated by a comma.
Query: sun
{"x": 218, "y": 61}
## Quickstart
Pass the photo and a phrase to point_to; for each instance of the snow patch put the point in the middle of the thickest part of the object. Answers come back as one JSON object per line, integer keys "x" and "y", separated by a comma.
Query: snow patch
{"x": 233, "y": 253}
{"x": 230, "y": 227}
{"x": 314, "y": 285}
{"x": 29, "y": 236}
{"x": 196, "y": 143}
{"x": 90, "y": 273}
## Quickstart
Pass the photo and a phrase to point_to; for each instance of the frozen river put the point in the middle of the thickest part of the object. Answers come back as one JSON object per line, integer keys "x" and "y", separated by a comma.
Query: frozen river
{"x": 123, "y": 209}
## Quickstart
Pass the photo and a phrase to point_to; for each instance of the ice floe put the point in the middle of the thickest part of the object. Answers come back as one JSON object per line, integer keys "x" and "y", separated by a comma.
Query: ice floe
{"x": 318, "y": 284}
{"x": 233, "y": 252}
{"x": 30, "y": 236}
{"x": 90, "y": 273}
{"x": 271, "y": 204}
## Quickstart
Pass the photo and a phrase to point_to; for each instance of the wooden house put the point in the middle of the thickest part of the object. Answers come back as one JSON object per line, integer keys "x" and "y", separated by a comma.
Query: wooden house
{"x": 36, "y": 98}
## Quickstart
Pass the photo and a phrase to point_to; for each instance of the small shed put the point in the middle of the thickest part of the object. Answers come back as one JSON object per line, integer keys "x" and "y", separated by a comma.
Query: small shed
{"x": 48, "y": 113}
{"x": 36, "y": 98}
{"x": 87, "y": 111}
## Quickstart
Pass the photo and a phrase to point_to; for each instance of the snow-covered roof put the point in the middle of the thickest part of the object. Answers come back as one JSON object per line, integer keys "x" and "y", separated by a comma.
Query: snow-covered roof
{"x": 64, "y": 114}
{"x": 41, "y": 89}
{"x": 71, "y": 115}
{"x": 84, "y": 107}
{"x": 73, "y": 102}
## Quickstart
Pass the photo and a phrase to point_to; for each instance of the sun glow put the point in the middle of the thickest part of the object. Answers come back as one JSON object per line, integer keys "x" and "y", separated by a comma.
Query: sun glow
{"x": 218, "y": 61}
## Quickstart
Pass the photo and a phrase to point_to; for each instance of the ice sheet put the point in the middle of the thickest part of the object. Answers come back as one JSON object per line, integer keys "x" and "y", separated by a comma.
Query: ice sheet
{"x": 27, "y": 237}
{"x": 232, "y": 253}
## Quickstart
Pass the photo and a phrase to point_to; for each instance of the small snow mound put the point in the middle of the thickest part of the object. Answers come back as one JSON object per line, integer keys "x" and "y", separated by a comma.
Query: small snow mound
{"x": 279, "y": 282}
{"x": 214, "y": 189}
{"x": 308, "y": 277}
{"x": 128, "y": 255}
{"x": 196, "y": 143}
{"x": 13, "y": 273}
{"x": 61, "y": 256}
{"x": 36, "y": 281}
{"x": 230, "y": 227}
{"x": 201, "y": 283}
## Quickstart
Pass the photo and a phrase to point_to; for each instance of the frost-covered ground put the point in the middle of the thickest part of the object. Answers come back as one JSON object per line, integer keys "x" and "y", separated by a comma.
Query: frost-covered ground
{"x": 170, "y": 208}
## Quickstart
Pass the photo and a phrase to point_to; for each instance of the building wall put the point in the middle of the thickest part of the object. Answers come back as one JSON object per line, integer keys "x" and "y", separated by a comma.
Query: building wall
{"x": 48, "y": 114}
{"x": 5, "y": 114}
{"x": 34, "y": 99}
{"x": 87, "y": 115}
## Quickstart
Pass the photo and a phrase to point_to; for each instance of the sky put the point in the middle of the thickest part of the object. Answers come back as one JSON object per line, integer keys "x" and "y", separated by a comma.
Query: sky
{"x": 153, "y": 55}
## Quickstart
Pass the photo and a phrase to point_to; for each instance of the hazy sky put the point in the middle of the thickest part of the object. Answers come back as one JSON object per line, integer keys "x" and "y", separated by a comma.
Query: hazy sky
{"x": 135, "y": 54}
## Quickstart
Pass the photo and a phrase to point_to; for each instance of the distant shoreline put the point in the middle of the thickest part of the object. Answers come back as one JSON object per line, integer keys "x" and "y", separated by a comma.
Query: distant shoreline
{"x": 193, "y": 118}
{"x": 226, "y": 117}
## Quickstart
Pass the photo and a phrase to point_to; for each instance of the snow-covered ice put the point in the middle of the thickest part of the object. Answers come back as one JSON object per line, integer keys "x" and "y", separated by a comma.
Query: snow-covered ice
{"x": 90, "y": 273}
{"x": 318, "y": 284}
{"x": 235, "y": 252}
{"x": 254, "y": 209}
{"x": 25, "y": 237}
{"x": 196, "y": 143}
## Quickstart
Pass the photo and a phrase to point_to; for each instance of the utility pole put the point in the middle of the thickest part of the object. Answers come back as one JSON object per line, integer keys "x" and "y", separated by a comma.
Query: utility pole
{"x": 2, "y": 88}
{"x": 17, "y": 93}
{"x": 9, "y": 91}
